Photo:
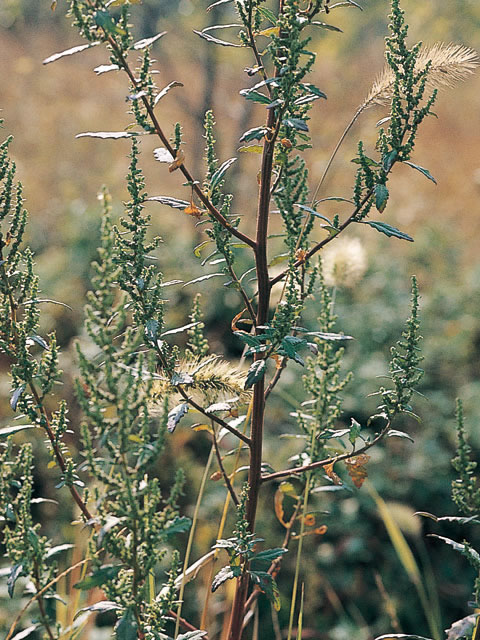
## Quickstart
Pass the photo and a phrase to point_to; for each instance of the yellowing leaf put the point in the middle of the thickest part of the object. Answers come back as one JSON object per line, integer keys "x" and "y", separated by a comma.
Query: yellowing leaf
{"x": 279, "y": 512}
{"x": 288, "y": 489}
{"x": 134, "y": 438}
{"x": 251, "y": 148}
{"x": 270, "y": 32}
{"x": 193, "y": 210}
{"x": 51, "y": 464}
{"x": 179, "y": 160}
{"x": 202, "y": 427}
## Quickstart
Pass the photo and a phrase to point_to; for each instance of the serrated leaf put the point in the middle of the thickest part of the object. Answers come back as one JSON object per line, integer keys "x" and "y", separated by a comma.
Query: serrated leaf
{"x": 181, "y": 378}
{"x": 247, "y": 338}
{"x": 381, "y": 197}
{"x": 180, "y": 524}
{"x": 354, "y": 431}
{"x": 388, "y": 230}
{"x": 257, "y": 133}
{"x": 226, "y": 573}
{"x": 220, "y": 172}
{"x": 8, "y": 431}
{"x": 255, "y": 96}
{"x": 209, "y": 38}
{"x": 267, "y": 584}
{"x": 175, "y": 203}
{"x": 175, "y": 415}
{"x": 166, "y": 89}
{"x": 69, "y": 52}
{"x": 266, "y": 557}
{"x": 16, "y": 395}
{"x": 147, "y": 42}
{"x": 218, "y": 406}
{"x": 462, "y": 548}
{"x": 255, "y": 373}
{"x": 15, "y": 573}
{"x": 296, "y": 123}
{"x": 126, "y": 628}
{"x": 422, "y": 170}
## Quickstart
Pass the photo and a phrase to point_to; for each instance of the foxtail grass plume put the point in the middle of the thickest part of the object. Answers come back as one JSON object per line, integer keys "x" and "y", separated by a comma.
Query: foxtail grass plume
{"x": 205, "y": 377}
{"x": 344, "y": 263}
{"x": 449, "y": 64}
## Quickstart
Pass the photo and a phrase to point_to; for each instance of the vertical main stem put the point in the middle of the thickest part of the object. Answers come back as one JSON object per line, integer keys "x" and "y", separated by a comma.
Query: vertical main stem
{"x": 256, "y": 436}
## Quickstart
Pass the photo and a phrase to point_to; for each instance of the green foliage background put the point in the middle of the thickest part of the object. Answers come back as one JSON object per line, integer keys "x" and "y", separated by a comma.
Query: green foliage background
{"x": 45, "y": 108}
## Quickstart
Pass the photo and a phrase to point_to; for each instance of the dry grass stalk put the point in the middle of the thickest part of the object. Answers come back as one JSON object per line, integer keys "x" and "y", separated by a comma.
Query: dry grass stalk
{"x": 449, "y": 64}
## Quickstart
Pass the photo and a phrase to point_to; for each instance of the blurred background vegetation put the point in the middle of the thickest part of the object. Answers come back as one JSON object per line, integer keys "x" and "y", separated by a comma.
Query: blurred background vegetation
{"x": 356, "y": 583}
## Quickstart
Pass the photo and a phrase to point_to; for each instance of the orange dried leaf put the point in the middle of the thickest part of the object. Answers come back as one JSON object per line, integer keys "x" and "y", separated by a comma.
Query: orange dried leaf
{"x": 216, "y": 476}
{"x": 331, "y": 473}
{"x": 286, "y": 143}
{"x": 320, "y": 531}
{"x": 356, "y": 469}
{"x": 179, "y": 160}
{"x": 193, "y": 210}
{"x": 309, "y": 520}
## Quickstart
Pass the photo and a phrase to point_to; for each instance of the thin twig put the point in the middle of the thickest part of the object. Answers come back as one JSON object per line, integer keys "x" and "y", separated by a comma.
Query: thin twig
{"x": 222, "y": 468}
{"x": 322, "y": 463}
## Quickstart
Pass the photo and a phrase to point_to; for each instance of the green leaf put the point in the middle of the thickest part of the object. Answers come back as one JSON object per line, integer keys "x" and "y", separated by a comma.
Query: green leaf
{"x": 220, "y": 172}
{"x": 185, "y": 327}
{"x": 180, "y": 524}
{"x": 389, "y": 159}
{"x": 102, "y": 606}
{"x": 313, "y": 212}
{"x": 99, "y": 577}
{"x": 126, "y": 628}
{"x": 422, "y": 170}
{"x": 465, "y": 550}
{"x": 257, "y": 133}
{"x": 17, "y": 394}
{"x": 393, "y": 433}
{"x": 295, "y": 123}
{"x": 252, "y": 148}
{"x": 247, "y": 338}
{"x": 26, "y": 632}
{"x": 7, "y": 431}
{"x": 15, "y": 573}
{"x": 268, "y": 14}
{"x": 226, "y": 573}
{"x": 381, "y": 197}
{"x": 59, "y": 549}
{"x": 268, "y": 585}
{"x": 165, "y": 90}
{"x": 151, "y": 330}
{"x": 170, "y": 202}
{"x": 147, "y": 42}
{"x": 105, "y": 21}
{"x": 365, "y": 160}
{"x": 265, "y": 558}
{"x": 209, "y": 38}
{"x": 255, "y": 96}
{"x": 313, "y": 89}
{"x": 69, "y": 52}
{"x": 255, "y": 373}
{"x": 400, "y": 636}
{"x": 175, "y": 415}
{"x": 202, "y": 278}
{"x": 108, "y": 135}
{"x": 325, "y": 25}
{"x": 354, "y": 431}
{"x": 388, "y": 230}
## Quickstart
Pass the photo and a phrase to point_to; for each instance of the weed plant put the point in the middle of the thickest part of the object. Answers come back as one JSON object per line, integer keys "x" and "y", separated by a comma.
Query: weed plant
{"x": 139, "y": 381}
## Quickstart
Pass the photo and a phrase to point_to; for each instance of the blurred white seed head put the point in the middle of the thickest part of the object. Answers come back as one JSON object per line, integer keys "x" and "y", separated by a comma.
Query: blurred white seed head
{"x": 344, "y": 262}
